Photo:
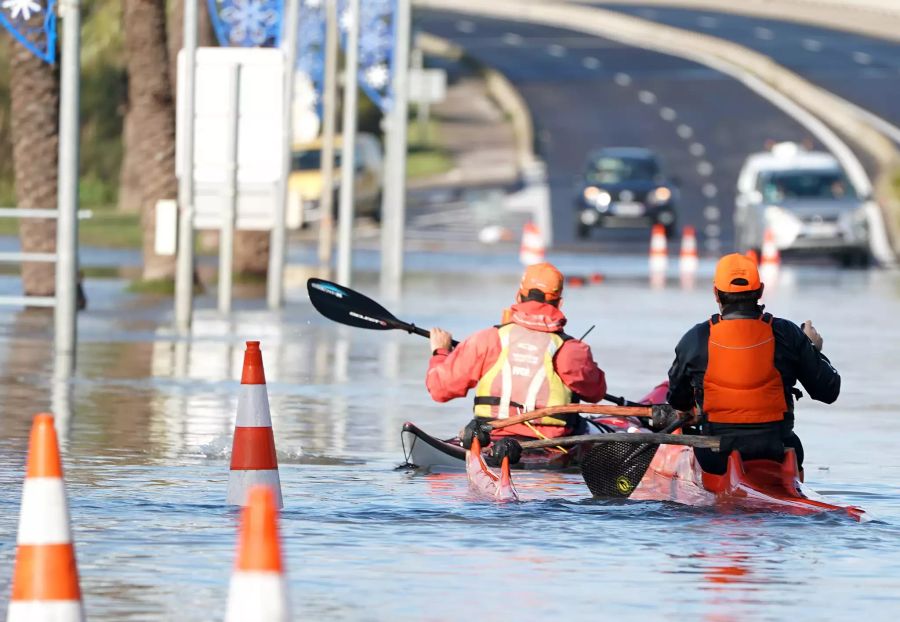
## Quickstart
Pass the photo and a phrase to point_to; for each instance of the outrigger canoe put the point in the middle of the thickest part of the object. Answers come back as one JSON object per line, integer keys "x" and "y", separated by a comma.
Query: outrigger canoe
{"x": 673, "y": 475}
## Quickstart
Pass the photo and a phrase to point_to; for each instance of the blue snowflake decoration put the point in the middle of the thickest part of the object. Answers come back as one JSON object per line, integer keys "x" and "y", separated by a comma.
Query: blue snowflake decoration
{"x": 376, "y": 48}
{"x": 247, "y": 23}
{"x": 33, "y": 24}
{"x": 311, "y": 46}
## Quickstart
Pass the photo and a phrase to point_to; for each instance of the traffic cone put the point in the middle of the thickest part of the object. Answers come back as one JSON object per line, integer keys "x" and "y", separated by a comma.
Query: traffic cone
{"x": 532, "y": 249}
{"x": 659, "y": 259}
{"x": 45, "y": 579}
{"x": 257, "y": 591}
{"x": 771, "y": 259}
{"x": 688, "y": 261}
{"x": 752, "y": 255}
{"x": 253, "y": 459}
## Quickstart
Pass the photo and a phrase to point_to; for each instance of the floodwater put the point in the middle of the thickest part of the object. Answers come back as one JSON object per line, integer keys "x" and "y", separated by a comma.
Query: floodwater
{"x": 146, "y": 429}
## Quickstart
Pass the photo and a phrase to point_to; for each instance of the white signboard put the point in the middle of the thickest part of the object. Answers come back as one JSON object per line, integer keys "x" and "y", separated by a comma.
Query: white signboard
{"x": 260, "y": 129}
{"x": 427, "y": 86}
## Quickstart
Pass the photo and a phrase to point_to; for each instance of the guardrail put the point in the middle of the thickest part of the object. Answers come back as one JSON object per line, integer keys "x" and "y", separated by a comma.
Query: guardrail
{"x": 23, "y": 256}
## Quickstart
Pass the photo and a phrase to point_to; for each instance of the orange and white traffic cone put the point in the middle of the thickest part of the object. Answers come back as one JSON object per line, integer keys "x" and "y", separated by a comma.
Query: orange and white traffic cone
{"x": 771, "y": 258}
{"x": 752, "y": 255}
{"x": 688, "y": 259}
{"x": 531, "y": 251}
{"x": 45, "y": 580}
{"x": 659, "y": 257}
{"x": 253, "y": 460}
{"x": 257, "y": 591}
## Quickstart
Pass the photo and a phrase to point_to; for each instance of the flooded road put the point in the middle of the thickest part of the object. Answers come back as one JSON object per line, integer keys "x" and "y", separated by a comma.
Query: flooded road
{"x": 146, "y": 430}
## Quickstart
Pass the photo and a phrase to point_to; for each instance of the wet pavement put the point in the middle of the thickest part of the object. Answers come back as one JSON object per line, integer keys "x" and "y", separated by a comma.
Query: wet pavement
{"x": 146, "y": 431}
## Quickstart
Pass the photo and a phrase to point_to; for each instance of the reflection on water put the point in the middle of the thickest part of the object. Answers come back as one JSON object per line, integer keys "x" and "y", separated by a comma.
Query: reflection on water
{"x": 146, "y": 426}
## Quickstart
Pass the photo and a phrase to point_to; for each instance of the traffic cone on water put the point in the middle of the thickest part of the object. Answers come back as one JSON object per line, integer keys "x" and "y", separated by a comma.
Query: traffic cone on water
{"x": 253, "y": 459}
{"x": 659, "y": 258}
{"x": 688, "y": 260}
{"x": 257, "y": 591}
{"x": 752, "y": 255}
{"x": 771, "y": 259}
{"x": 531, "y": 251}
{"x": 45, "y": 579}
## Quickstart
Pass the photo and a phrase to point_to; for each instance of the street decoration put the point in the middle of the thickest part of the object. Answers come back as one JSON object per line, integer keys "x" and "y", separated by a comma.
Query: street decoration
{"x": 247, "y": 23}
{"x": 376, "y": 47}
{"x": 33, "y": 24}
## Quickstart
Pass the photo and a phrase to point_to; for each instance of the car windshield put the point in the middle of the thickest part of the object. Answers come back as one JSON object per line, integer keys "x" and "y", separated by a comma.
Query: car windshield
{"x": 615, "y": 170}
{"x": 806, "y": 185}
{"x": 311, "y": 160}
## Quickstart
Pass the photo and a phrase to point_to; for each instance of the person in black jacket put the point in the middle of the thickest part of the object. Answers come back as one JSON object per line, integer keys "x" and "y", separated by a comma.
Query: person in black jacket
{"x": 740, "y": 367}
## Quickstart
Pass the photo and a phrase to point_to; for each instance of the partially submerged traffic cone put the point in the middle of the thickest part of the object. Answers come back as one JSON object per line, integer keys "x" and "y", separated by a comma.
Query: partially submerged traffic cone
{"x": 752, "y": 255}
{"x": 253, "y": 459}
{"x": 770, "y": 261}
{"x": 45, "y": 580}
{"x": 257, "y": 591}
{"x": 688, "y": 260}
{"x": 532, "y": 249}
{"x": 659, "y": 258}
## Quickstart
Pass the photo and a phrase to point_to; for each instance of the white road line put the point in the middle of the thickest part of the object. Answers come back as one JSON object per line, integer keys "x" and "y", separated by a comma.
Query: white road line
{"x": 667, "y": 114}
{"x": 763, "y": 33}
{"x": 697, "y": 150}
{"x": 710, "y": 190}
{"x": 511, "y": 38}
{"x": 707, "y": 22}
{"x": 711, "y": 212}
{"x": 862, "y": 58}
{"x": 685, "y": 131}
{"x": 712, "y": 244}
{"x": 622, "y": 79}
{"x": 647, "y": 97}
{"x": 465, "y": 26}
{"x": 705, "y": 168}
{"x": 556, "y": 50}
{"x": 590, "y": 62}
{"x": 712, "y": 230}
{"x": 812, "y": 45}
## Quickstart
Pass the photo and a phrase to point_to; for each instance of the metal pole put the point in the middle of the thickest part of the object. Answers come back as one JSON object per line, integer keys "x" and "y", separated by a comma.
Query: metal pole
{"x": 329, "y": 112}
{"x": 393, "y": 207}
{"x": 275, "y": 277}
{"x": 418, "y": 64}
{"x": 226, "y": 229}
{"x": 67, "y": 189}
{"x": 348, "y": 147}
{"x": 184, "y": 268}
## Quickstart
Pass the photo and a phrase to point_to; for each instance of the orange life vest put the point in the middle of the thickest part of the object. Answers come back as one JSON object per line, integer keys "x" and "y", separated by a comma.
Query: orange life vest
{"x": 523, "y": 377}
{"x": 741, "y": 383}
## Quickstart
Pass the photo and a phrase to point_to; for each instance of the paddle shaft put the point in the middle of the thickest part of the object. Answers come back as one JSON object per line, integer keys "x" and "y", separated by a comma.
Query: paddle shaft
{"x": 568, "y": 409}
{"x": 707, "y": 442}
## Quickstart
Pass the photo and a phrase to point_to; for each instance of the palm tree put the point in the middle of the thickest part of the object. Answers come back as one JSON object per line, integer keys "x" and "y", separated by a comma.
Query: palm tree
{"x": 34, "y": 115}
{"x": 153, "y": 110}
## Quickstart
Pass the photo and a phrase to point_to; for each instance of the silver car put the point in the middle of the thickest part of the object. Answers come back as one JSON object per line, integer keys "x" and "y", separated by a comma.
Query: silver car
{"x": 805, "y": 200}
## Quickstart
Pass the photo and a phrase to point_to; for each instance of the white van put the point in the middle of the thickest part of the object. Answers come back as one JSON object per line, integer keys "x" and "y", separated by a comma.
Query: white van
{"x": 805, "y": 199}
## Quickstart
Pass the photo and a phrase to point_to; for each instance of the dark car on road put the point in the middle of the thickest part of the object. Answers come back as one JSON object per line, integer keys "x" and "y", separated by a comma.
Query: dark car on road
{"x": 625, "y": 187}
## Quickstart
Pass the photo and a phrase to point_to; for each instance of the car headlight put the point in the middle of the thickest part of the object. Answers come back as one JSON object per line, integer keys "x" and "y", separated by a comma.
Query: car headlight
{"x": 659, "y": 196}
{"x": 597, "y": 197}
{"x": 785, "y": 225}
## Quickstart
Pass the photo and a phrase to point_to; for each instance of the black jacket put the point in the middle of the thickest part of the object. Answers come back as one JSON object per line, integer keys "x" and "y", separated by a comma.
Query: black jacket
{"x": 795, "y": 359}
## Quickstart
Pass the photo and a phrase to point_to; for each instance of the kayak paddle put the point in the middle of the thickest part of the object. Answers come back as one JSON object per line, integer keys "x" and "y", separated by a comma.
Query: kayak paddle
{"x": 347, "y": 306}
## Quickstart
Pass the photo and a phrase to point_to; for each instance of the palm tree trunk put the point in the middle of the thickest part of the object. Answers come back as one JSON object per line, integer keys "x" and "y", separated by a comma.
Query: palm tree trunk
{"x": 152, "y": 106}
{"x": 34, "y": 114}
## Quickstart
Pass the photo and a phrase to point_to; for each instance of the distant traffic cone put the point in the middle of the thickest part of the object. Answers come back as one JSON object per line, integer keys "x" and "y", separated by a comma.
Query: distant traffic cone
{"x": 532, "y": 249}
{"x": 45, "y": 580}
{"x": 659, "y": 258}
{"x": 253, "y": 459}
{"x": 688, "y": 261}
{"x": 752, "y": 255}
{"x": 770, "y": 255}
{"x": 257, "y": 591}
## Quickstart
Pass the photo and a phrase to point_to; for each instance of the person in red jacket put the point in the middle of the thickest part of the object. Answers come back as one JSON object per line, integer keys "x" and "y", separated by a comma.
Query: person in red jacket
{"x": 524, "y": 364}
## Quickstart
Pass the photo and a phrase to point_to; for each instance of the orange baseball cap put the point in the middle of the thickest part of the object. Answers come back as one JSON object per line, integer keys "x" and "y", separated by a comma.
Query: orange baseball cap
{"x": 736, "y": 273}
{"x": 543, "y": 277}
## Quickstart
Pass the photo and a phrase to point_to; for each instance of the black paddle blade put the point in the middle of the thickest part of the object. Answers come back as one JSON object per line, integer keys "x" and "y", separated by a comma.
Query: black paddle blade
{"x": 346, "y": 306}
{"x": 615, "y": 469}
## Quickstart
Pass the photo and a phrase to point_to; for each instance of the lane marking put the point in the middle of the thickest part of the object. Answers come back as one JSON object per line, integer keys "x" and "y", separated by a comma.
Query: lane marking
{"x": 465, "y": 26}
{"x": 763, "y": 33}
{"x": 667, "y": 114}
{"x": 622, "y": 79}
{"x": 812, "y": 45}
{"x": 697, "y": 150}
{"x": 711, "y": 212}
{"x": 647, "y": 97}
{"x": 705, "y": 168}
{"x": 862, "y": 58}
{"x": 710, "y": 190}
{"x": 590, "y": 62}
{"x": 511, "y": 38}
{"x": 712, "y": 244}
{"x": 685, "y": 131}
{"x": 712, "y": 230}
{"x": 556, "y": 50}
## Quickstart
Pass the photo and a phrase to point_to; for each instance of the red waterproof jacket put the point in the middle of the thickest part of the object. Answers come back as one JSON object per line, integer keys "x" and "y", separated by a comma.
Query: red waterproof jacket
{"x": 452, "y": 374}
